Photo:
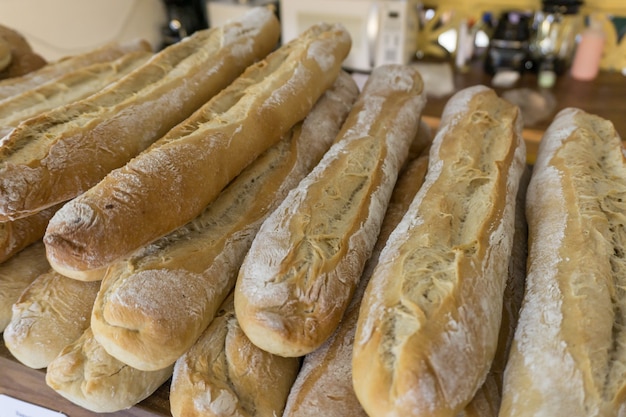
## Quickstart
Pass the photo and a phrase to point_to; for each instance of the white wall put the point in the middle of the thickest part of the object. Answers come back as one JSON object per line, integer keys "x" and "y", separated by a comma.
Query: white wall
{"x": 57, "y": 28}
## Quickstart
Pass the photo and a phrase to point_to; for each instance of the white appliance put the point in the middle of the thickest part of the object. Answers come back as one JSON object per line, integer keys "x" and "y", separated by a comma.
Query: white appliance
{"x": 221, "y": 11}
{"x": 382, "y": 31}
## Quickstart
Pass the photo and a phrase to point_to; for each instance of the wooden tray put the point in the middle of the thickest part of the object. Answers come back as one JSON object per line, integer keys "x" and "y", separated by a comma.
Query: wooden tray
{"x": 26, "y": 384}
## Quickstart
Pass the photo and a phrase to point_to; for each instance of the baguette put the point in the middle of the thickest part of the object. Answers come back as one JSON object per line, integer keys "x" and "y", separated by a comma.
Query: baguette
{"x": 429, "y": 320}
{"x": 66, "y": 89}
{"x": 304, "y": 264}
{"x": 52, "y": 312}
{"x": 21, "y": 57}
{"x": 17, "y": 234}
{"x": 331, "y": 364}
{"x": 487, "y": 400}
{"x": 5, "y": 54}
{"x": 173, "y": 181}
{"x": 109, "y": 52}
{"x": 196, "y": 266}
{"x": 86, "y": 375}
{"x": 224, "y": 374}
{"x": 567, "y": 357}
{"x": 59, "y": 154}
{"x": 18, "y": 273}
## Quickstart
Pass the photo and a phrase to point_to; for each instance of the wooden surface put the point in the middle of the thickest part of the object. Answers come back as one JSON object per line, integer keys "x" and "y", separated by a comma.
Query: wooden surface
{"x": 26, "y": 384}
{"x": 605, "y": 96}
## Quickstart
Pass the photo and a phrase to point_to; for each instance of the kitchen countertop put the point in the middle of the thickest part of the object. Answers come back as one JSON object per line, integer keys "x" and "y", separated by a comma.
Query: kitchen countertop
{"x": 605, "y": 96}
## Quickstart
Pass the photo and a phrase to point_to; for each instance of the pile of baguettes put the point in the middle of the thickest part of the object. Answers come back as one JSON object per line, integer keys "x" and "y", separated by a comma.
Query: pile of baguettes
{"x": 242, "y": 221}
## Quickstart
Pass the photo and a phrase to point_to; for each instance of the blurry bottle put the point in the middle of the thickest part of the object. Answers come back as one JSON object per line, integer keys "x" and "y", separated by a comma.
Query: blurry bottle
{"x": 586, "y": 62}
{"x": 553, "y": 34}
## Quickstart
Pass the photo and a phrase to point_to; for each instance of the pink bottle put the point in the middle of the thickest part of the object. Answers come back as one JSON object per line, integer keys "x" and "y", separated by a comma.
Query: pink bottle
{"x": 586, "y": 62}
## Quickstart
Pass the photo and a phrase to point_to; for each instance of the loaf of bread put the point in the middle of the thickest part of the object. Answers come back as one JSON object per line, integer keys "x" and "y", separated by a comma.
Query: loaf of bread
{"x": 5, "y": 54}
{"x": 18, "y": 273}
{"x": 487, "y": 400}
{"x": 17, "y": 234}
{"x": 567, "y": 356}
{"x": 171, "y": 289}
{"x": 52, "y": 312}
{"x": 88, "y": 376}
{"x": 52, "y": 70}
{"x": 324, "y": 384}
{"x": 224, "y": 374}
{"x": 173, "y": 181}
{"x": 430, "y": 317}
{"x": 59, "y": 154}
{"x": 17, "y": 57}
{"x": 65, "y": 89}
{"x": 305, "y": 263}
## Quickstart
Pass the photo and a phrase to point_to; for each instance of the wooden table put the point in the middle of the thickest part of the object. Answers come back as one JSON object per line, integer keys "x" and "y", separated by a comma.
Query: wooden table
{"x": 604, "y": 96}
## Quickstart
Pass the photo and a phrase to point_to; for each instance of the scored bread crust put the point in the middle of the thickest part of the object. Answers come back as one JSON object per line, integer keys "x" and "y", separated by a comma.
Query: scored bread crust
{"x": 181, "y": 280}
{"x": 17, "y": 234}
{"x": 59, "y": 154}
{"x": 16, "y": 274}
{"x": 304, "y": 264}
{"x": 172, "y": 182}
{"x": 568, "y": 354}
{"x": 225, "y": 374}
{"x": 65, "y": 89}
{"x": 429, "y": 320}
{"x": 52, "y": 312}
{"x": 52, "y": 70}
{"x": 86, "y": 375}
{"x": 331, "y": 364}
{"x": 487, "y": 400}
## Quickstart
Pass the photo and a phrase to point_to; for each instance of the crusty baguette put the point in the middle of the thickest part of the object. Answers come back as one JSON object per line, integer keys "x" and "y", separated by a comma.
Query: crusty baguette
{"x": 194, "y": 268}
{"x": 173, "y": 181}
{"x": 487, "y": 400}
{"x": 568, "y": 354}
{"x": 18, "y": 273}
{"x": 305, "y": 263}
{"x": 59, "y": 154}
{"x": 105, "y": 53}
{"x": 87, "y": 376}
{"x": 52, "y": 312}
{"x": 65, "y": 89}
{"x": 429, "y": 320}
{"x": 324, "y": 384}
{"x": 224, "y": 374}
{"x": 22, "y": 59}
{"x": 17, "y": 234}
{"x": 5, "y": 54}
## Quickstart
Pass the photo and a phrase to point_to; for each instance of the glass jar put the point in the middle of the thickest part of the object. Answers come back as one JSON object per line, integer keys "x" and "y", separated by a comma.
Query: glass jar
{"x": 553, "y": 33}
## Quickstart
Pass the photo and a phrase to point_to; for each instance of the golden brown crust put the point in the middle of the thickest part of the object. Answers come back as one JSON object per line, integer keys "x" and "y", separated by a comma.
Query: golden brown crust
{"x": 73, "y": 86}
{"x": 567, "y": 356}
{"x": 21, "y": 57}
{"x": 173, "y": 181}
{"x": 183, "y": 278}
{"x": 429, "y": 320}
{"x": 87, "y": 376}
{"x": 52, "y": 312}
{"x": 486, "y": 402}
{"x": 225, "y": 374}
{"x": 324, "y": 384}
{"x": 16, "y": 274}
{"x": 17, "y": 234}
{"x": 305, "y": 262}
{"x": 57, "y": 155}
{"x": 52, "y": 70}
